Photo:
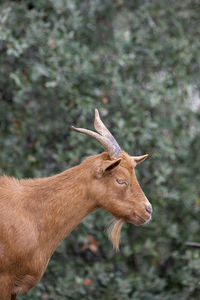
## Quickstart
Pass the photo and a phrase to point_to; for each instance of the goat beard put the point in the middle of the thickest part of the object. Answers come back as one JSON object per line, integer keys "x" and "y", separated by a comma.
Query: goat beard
{"x": 114, "y": 230}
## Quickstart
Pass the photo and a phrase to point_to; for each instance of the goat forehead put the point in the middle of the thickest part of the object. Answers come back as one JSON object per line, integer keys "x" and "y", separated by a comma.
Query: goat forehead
{"x": 127, "y": 166}
{"x": 126, "y": 173}
{"x": 122, "y": 172}
{"x": 127, "y": 161}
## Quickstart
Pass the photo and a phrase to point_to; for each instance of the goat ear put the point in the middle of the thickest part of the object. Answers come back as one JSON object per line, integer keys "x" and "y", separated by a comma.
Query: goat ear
{"x": 139, "y": 159}
{"x": 107, "y": 166}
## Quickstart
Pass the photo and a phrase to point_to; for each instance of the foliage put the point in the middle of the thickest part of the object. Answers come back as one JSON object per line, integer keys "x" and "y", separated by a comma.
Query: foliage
{"x": 138, "y": 62}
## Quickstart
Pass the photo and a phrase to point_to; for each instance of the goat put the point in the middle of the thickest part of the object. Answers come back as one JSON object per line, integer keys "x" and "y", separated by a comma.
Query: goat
{"x": 37, "y": 214}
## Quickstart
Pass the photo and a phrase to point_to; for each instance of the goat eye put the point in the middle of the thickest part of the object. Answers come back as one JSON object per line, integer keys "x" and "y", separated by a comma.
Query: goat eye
{"x": 121, "y": 181}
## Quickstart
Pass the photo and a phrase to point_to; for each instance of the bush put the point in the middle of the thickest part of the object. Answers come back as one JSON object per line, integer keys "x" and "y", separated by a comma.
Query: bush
{"x": 138, "y": 63}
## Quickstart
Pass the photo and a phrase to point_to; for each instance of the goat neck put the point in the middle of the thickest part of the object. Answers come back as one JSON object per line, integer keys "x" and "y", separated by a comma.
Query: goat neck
{"x": 58, "y": 204}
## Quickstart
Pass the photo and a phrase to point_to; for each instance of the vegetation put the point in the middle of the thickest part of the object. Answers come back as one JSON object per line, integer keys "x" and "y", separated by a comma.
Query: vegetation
{"x": 138, "y": 63}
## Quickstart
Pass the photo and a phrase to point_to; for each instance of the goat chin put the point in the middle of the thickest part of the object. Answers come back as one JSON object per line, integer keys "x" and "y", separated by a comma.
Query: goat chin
{"x": 114, "y": 230}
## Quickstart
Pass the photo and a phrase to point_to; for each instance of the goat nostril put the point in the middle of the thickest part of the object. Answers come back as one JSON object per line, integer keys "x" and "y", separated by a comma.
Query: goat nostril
{"x": 149, "y": 209}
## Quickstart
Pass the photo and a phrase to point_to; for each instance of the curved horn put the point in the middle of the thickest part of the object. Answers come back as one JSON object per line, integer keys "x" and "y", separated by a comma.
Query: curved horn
{"x": 104, "y": 137}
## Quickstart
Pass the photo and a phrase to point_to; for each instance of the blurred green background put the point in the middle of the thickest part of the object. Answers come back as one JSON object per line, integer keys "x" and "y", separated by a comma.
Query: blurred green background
{"x": 138, "y": 63}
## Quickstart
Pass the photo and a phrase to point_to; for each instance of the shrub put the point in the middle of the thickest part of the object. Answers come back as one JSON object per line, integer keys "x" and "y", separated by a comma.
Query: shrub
{"x": 138, "y": 63}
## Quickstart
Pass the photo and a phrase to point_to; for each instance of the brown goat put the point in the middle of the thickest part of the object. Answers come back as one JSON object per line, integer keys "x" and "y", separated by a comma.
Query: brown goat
{"x": 37, "y": 214}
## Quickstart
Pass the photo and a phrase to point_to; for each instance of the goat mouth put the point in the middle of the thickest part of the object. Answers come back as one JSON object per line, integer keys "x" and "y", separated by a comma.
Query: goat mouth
{"x": 137, "y": 220}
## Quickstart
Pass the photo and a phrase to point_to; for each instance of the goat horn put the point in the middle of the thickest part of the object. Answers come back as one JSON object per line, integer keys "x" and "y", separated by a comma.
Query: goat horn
{"x": 99, "y": 126}
{"x": 104, "y": 137}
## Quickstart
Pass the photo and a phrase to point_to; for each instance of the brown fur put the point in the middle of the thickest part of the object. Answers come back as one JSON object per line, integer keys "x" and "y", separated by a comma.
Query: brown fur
{"x": 37, "y": 214}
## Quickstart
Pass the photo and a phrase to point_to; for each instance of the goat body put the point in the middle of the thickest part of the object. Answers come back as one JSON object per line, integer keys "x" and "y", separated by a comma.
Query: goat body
{"x": 37, "y": 214}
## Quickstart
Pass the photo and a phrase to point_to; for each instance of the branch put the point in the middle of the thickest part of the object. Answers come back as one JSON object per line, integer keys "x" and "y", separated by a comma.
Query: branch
{"x": 193, "y": 244}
